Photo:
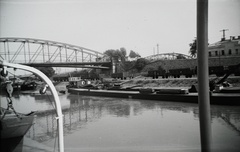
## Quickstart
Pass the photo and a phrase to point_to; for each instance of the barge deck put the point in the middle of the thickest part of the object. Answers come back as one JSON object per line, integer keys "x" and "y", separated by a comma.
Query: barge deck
{"x": 215, "y": 98}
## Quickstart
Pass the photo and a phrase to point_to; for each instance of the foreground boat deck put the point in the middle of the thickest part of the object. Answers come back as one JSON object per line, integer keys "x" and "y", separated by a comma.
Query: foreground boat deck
{"x": 215, "y": 98}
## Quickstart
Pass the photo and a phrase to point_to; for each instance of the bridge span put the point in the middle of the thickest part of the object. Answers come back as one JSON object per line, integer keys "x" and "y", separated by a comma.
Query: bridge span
{"x": 44, "y": 53}
{"x": 167, "y": 56}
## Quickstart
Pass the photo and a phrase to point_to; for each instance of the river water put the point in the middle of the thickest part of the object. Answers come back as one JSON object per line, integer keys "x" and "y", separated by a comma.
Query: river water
{"x": 97, "y": 124}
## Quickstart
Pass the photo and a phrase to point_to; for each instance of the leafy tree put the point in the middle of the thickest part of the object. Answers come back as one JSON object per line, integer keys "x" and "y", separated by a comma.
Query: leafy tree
{"x": 123, "y": 53}
{"x": 111, "y": 53}
{"x": 82, "y": 72}
{"x": 140, "y": 64}
{"x": 128, "y": 65}
{"x": 193, "y": 48}
{"x": 117, "y": 54}
{"x": 133, "y": 54}
{"x": 180, "y": 56}
{"x": 48, "y": 71}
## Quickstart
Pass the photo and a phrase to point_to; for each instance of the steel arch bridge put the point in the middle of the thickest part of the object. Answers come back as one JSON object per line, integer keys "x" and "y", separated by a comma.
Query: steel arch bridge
{"x": 167, "y": 56}
{"x": 37, "y": 52}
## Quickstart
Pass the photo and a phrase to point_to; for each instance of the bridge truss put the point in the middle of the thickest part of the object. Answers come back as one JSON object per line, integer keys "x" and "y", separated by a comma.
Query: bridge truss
{"x": 37, "y": 52}
{"x": 167, "y": 56}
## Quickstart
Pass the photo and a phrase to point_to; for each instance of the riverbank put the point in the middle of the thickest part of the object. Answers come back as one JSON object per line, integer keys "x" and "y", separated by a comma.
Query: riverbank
{"x": 171, "y": 83}
{"x": 147, "y": 82}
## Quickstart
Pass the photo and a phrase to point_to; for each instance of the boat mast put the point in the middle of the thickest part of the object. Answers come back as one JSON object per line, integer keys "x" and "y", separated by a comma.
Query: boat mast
{"x": 54, "y": 93}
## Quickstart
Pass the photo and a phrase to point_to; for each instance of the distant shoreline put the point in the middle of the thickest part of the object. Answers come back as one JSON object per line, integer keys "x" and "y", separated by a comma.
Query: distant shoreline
{"x": 147, "y": 82}
{"x": 171, "y": 83}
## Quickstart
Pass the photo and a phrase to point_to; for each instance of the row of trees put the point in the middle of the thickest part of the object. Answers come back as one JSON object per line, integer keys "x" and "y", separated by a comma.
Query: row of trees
{"x": 120, "y": 56}
{"x": 48, "y": 71}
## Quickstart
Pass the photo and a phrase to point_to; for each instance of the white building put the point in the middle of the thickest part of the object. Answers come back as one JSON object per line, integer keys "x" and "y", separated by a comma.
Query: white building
{"x": 225, "y": 48}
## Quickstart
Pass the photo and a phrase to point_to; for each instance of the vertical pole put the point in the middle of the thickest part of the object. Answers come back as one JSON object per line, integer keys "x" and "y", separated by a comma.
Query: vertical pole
{"x": 5, "y": 52}
{"x": 76, "y": 55}
{"x": 219, "y": 57}
{"x": 97, "y": 59}
{"x": 82, "y": 55}
{"x": 29, "y": 53}
{"x": 48, "y": 53}
{"x": 203, "y": 80}
{"x": 60, "y": 51}
{"x": 224, "y": 33}
{"x": 113, "y": 65}
{"x": 8, "y": 52}
{"x": 66, "y": 54}
{"x": 43, "y": 53}
{"x": 24, "y": 49}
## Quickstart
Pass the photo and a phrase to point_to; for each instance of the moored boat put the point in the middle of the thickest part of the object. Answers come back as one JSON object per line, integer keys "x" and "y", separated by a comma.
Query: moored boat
{"x": 176, "y": 95}
{"x": 13, "y": 127}
{"x": 230, "y": 90}
{"x": 29, "y": 85}
{"x": 15, "y": 124}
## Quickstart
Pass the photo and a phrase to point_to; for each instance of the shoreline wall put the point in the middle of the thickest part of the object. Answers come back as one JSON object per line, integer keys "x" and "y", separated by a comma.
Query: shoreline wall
{"x": 190, "y": 63}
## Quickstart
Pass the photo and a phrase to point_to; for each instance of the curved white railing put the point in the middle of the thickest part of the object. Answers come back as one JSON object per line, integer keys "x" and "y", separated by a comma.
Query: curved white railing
{"x": 59, "y": 117}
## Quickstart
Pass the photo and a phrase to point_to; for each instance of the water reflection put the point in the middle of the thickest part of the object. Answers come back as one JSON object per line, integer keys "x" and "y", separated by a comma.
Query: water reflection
{"x": 229, "y": 115}
{"x": 83, "y": 109}
{"x": 126, "y": 124}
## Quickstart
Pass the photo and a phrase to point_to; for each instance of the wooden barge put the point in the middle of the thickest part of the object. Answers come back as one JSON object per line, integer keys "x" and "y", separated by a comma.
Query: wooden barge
{"x": 175, "y": 95}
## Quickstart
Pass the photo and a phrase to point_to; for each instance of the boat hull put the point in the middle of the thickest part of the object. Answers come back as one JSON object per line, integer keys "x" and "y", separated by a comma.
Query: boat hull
{"x": 29, "y": 86}
{"x": 13, "y": 130}
{"x": 215, "y": 98}
{"x": 13, "y": 126}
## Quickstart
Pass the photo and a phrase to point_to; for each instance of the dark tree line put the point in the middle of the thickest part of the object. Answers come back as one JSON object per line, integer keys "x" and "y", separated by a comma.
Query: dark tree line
{"x": 48, "y": 71}
{"x": 193, "y": 48}
{"x": 120, "y": 56}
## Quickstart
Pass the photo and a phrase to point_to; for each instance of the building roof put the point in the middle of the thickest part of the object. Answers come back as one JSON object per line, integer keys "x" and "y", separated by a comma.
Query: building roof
{"x": 224, "y": 41}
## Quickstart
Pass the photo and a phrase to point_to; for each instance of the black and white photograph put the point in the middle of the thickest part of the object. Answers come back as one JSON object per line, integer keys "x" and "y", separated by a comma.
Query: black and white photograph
{"x": 120, "y": 75}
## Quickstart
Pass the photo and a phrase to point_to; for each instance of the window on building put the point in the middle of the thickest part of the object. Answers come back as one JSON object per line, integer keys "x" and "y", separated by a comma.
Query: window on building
{"x": 236, "y": 51}
{"x": 209, "y": 54}
{"x": 223, "y": 53}
{"x": 216, "y": 53}
{"x": 229, "y": 51}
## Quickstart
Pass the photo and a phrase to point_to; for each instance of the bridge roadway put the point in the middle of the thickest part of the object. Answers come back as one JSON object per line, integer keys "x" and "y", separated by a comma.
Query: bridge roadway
{"x": 94, "y": 65}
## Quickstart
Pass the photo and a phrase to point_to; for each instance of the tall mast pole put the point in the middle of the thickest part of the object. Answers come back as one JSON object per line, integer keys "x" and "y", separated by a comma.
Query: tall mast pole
{"x": 203, "y": 79}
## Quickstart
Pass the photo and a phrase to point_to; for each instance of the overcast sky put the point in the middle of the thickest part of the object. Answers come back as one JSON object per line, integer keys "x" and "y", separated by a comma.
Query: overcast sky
{"x": 137, "y": 25}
